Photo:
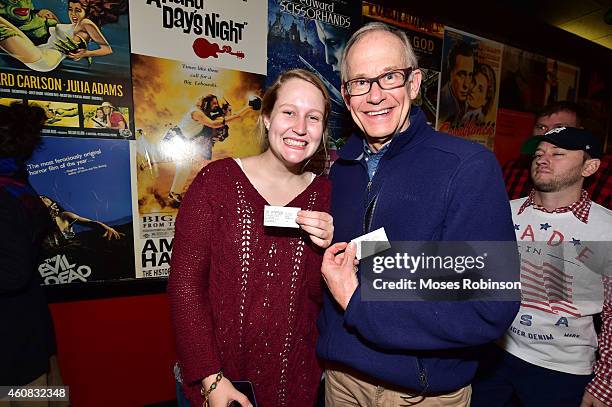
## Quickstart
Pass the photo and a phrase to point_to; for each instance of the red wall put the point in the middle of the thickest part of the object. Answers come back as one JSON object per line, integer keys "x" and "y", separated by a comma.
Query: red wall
{"x": 511, "y": 130}
{"x": 116, "y": 352}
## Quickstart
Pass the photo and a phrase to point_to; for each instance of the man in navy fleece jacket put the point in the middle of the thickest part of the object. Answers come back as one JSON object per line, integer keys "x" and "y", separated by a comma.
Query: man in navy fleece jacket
{"x": 421, "y": 185}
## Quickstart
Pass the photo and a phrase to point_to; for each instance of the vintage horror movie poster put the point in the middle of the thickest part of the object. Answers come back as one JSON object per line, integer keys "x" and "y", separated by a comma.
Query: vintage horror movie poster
{"x": 85, "y": 185}
{"x": 71, "y": 58}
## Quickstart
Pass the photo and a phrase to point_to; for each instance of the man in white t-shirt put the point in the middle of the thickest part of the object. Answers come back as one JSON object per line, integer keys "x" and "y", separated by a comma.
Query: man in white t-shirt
{"x": 549, "y": 351}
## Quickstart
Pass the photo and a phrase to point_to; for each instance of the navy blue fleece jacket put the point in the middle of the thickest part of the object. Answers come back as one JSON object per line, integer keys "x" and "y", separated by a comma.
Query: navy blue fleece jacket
{"x": 429, "y": 186}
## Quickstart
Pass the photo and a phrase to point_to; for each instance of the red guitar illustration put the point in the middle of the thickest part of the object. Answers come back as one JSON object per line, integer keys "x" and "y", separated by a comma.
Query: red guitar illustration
{"x": 205, "y": 49}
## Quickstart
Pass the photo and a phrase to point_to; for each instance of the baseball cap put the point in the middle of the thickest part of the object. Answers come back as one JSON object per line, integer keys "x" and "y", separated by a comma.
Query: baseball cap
{"x": 572, "y": 138}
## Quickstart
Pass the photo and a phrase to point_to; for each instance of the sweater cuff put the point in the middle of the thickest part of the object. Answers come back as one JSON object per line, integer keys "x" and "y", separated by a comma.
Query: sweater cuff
{"x": 193, "y": 372}
{"x": 351, "y": 314}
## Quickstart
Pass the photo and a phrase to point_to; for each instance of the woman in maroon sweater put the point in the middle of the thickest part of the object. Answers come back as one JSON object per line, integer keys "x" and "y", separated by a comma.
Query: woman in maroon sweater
{"x": 244, "y": 297}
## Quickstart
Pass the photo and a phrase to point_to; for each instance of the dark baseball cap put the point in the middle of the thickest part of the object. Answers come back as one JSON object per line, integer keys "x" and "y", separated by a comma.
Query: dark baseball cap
{"x": 572, "y": 138}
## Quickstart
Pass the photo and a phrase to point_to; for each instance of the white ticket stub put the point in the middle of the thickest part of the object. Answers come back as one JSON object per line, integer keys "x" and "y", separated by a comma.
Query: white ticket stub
{"x": 381, "y": 243}
{"x": 280, "y": 216}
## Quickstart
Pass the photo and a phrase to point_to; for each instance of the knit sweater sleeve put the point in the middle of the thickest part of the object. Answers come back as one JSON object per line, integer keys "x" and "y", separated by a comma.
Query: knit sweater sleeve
{"x": 478, "y": 210}
{"x": 188, "y": 282}
{"x": 601, "y": 385}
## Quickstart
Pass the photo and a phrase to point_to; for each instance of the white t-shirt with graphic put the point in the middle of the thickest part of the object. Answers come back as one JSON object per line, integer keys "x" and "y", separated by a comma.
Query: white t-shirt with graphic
{"x": 563, "y": 261}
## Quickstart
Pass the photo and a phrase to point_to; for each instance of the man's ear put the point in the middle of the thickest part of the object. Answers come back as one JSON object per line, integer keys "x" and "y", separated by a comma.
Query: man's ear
{"x": 345, "y": 96}
{"x": 590, "y": 167}
{"x": 415, "y": 83}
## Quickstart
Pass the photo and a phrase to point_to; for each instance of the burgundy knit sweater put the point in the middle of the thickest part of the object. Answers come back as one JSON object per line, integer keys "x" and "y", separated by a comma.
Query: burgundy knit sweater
{"x": 245, "y": 297}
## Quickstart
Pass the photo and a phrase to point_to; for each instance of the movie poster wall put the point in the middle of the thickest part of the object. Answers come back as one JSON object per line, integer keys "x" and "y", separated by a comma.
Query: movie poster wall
{"x": 312, "y": 35}
{"x": 72, "y": 59}
{"x": 121, "y": 84}
{"x": 213, "y": 65}
{"x": 469, "y": 88}
{"x": 426, "y": 39}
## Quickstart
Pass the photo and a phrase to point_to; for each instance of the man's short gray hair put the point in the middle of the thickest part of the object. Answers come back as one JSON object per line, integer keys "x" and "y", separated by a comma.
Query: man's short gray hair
{"x": 409, "y": 55}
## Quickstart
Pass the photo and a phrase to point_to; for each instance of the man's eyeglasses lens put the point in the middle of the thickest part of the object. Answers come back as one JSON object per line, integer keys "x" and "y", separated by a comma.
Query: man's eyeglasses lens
{"x": 388, "y": 80}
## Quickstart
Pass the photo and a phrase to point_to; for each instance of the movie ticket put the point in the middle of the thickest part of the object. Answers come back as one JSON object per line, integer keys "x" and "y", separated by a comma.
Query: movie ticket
{"x": 280, "y": 216}
{"x": 378, "y": 236}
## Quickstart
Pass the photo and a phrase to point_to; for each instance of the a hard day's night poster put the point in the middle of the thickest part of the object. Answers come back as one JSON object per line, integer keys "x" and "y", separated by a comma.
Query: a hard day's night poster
{"x": 219, "y": 33}
{"x": 72, "y": 58}
{"x": 172, "y": 146}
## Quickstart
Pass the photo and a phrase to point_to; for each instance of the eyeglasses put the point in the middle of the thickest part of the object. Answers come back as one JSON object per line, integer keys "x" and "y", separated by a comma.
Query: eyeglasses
{"x": 387, "y": 81}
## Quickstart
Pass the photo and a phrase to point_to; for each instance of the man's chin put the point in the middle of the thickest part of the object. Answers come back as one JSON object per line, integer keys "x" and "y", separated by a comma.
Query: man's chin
{"x": 545, "y": 188}
{"x": 548, "y": 186}
{"x": 382, "y": 130}
{"x": 379, "y": 132}
{"x": 378, "y": 138}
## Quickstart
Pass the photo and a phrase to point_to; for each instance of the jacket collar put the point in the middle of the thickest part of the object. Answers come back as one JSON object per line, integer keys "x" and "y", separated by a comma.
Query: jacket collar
{"x": 353, "y": 149}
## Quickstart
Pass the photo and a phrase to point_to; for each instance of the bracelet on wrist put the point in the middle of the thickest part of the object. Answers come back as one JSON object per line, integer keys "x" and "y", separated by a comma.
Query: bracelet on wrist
{"x": 206, "y": 393}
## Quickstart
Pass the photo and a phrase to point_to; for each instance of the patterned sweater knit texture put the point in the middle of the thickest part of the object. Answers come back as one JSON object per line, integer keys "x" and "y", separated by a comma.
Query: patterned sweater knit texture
{"x": 244, "y": 298}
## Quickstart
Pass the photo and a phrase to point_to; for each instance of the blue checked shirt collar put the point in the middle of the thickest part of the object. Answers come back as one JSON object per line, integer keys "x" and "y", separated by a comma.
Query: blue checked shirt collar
{"x": 372, "y": 159}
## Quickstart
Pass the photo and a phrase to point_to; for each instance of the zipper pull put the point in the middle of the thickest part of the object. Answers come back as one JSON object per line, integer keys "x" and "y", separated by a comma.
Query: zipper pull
{"x": 369, "y": 185}
{"x": 422, "y": 376}
{"x": 423, "y": 379}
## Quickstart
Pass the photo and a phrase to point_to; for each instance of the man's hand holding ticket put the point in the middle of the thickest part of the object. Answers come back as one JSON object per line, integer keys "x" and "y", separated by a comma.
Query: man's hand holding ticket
{"x": 381, "y": 243}
{"x": 338, "y": 267}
